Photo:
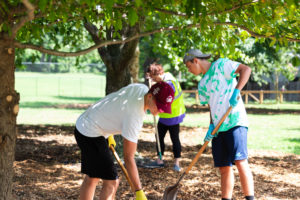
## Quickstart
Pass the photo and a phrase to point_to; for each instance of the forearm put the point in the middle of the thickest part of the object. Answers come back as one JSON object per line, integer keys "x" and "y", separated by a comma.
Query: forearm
{"x": 245, "y": 73}
{"x": 210, "y": 115}
{"x": 129, "y": 151}
{"x": 133, "y": 173}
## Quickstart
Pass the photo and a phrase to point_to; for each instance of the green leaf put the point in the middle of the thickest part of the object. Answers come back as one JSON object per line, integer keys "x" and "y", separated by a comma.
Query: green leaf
{"x": 118, "y": 24}
{"x": 4, "y": 6}
{"x": 43, "y": 4}
{"x": 138, "y": 2}
{"x": 132, "y": 17}
{"x": 295, "y": 61}
{"x": 108, "y": 4}
{"x": 269, "y": 34}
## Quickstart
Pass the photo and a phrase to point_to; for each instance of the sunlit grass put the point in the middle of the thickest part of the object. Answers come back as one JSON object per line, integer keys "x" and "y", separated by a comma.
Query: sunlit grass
{"x": 279, "y": 132}
{"x": 33, "y": 84}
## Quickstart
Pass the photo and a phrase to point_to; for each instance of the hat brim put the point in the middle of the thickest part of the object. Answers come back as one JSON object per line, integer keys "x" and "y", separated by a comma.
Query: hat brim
{"x": 164, "y": 108}
{"x": 190, "y": 57}
{"x": 205, "y": 56}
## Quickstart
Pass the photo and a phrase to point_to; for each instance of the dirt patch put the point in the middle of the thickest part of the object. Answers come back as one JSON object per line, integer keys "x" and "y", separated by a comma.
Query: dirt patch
{"x": 47, "y": 167}
{"x": 195, "y": 108}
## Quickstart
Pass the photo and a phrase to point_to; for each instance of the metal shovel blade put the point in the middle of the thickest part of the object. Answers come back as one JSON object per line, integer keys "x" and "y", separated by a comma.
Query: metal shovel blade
{"x": 171, "y": 192}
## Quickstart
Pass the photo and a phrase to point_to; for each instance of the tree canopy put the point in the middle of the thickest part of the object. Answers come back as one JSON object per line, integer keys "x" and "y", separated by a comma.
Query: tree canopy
{"x": 214, "y": 20}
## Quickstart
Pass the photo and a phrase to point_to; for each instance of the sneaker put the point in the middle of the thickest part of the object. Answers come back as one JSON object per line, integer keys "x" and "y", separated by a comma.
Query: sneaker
{"x": 177, "y": 168}
{"x": 153, "y": 165}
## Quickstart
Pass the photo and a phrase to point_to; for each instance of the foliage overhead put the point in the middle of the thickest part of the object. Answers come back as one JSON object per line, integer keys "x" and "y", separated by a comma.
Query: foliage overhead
{"x": 214, "y": 20}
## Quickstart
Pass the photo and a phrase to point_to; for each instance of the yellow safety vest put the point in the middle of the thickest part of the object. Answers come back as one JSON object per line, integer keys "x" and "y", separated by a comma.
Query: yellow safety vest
{"x": 177, "y": 106}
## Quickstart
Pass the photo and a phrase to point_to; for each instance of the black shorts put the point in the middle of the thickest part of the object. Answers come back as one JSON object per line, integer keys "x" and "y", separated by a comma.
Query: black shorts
{"x": 96, "y": 158}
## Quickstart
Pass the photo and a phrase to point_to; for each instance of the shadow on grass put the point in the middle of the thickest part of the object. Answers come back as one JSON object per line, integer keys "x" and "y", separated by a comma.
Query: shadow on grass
{"x": 53, "y": 104}
{"x": 296, "y": 147}
{"x": 38, "y": 104}
{"x": 87, "y": 99}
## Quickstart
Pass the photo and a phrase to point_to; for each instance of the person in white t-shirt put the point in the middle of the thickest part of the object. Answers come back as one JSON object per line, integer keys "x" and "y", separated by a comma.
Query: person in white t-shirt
{"x": 122, "y": 113}
{"x": 219, "y": 89}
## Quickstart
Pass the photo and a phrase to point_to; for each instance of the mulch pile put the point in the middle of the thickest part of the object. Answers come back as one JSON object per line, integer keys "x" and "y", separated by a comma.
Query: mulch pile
{"x": 47, "y": 167}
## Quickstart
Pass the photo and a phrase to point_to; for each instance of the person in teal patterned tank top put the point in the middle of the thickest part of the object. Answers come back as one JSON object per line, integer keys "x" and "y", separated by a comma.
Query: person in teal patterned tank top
{"x": 220, "y": 89}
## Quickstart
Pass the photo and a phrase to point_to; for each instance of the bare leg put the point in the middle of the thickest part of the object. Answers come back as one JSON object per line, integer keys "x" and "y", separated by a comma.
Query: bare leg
{"x": 88, "y": 187}
{"x": 245, "y": 177}
{"x": 227, "y": 181}
{"x": 109, "y": 189}
{"x": 177, "y": 160}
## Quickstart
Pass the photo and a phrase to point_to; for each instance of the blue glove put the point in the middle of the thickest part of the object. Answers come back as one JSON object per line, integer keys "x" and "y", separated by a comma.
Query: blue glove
{"x": 234, "y": 98}
{"x": 209, "y": 136}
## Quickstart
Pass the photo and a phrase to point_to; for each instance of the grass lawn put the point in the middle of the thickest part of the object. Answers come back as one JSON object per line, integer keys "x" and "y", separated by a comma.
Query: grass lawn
{"x": 41, "y": 92}
{"x": 275, "y": 105}
{"x": 280, "y": 132}
{"x": 35, "y": 84}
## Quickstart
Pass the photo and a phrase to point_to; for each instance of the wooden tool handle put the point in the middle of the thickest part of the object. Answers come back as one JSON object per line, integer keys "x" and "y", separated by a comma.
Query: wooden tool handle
{"x": 122, "y": 167}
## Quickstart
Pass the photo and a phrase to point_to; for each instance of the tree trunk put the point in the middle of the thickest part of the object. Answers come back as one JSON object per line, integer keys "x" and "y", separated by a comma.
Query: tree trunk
{"x": 117, "y": 78}
{"x": 9, "y": 107}
{"x": 134, "y": 66}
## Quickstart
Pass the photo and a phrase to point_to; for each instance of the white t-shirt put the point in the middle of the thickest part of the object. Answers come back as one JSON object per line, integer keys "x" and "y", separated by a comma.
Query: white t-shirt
{"x": 121, "y": 112}
{"x": 216, "y": 88}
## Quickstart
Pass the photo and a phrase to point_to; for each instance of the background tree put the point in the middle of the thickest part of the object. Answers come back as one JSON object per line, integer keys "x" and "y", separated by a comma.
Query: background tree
{"x": 23, "y": 24}
{"x": 269, "y": 60}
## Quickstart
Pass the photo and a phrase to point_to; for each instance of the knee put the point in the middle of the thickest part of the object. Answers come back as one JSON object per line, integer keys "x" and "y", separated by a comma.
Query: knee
{"x": 111, "y": 184}
{"x": 90, "y": 181}
{"x": 241, "y": 164}
{"x": 225, "y": 170}
{"x": 116, "y": 184}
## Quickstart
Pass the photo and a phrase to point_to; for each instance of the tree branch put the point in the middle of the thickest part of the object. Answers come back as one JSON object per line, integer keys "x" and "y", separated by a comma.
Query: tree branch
{"x": 252, "y": 33}
{"x": 23, "y": 20}
{"x": 94, "y": 32}
{"x": 112, "y": 42}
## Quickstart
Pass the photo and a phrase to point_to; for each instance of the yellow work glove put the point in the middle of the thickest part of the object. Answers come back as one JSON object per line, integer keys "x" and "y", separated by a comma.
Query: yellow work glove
{"x": 111, "y": 141}
{"x": 140, "y": 195}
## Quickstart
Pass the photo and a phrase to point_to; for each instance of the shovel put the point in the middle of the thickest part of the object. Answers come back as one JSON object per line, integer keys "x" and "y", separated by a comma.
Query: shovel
{"x": 171, "y": 191}
{"x": 122, "y": 167}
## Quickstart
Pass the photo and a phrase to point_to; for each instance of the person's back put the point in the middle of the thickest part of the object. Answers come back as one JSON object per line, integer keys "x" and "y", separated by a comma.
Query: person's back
{"x": 114, "y": 113}
{"x": 178, "y": 107}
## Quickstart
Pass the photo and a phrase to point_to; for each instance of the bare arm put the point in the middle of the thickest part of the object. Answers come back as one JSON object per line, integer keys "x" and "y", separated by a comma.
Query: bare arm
{"x": 245, "y": 73}
{"x": 129, "y": 149}
{"x": 210, "y": 115}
